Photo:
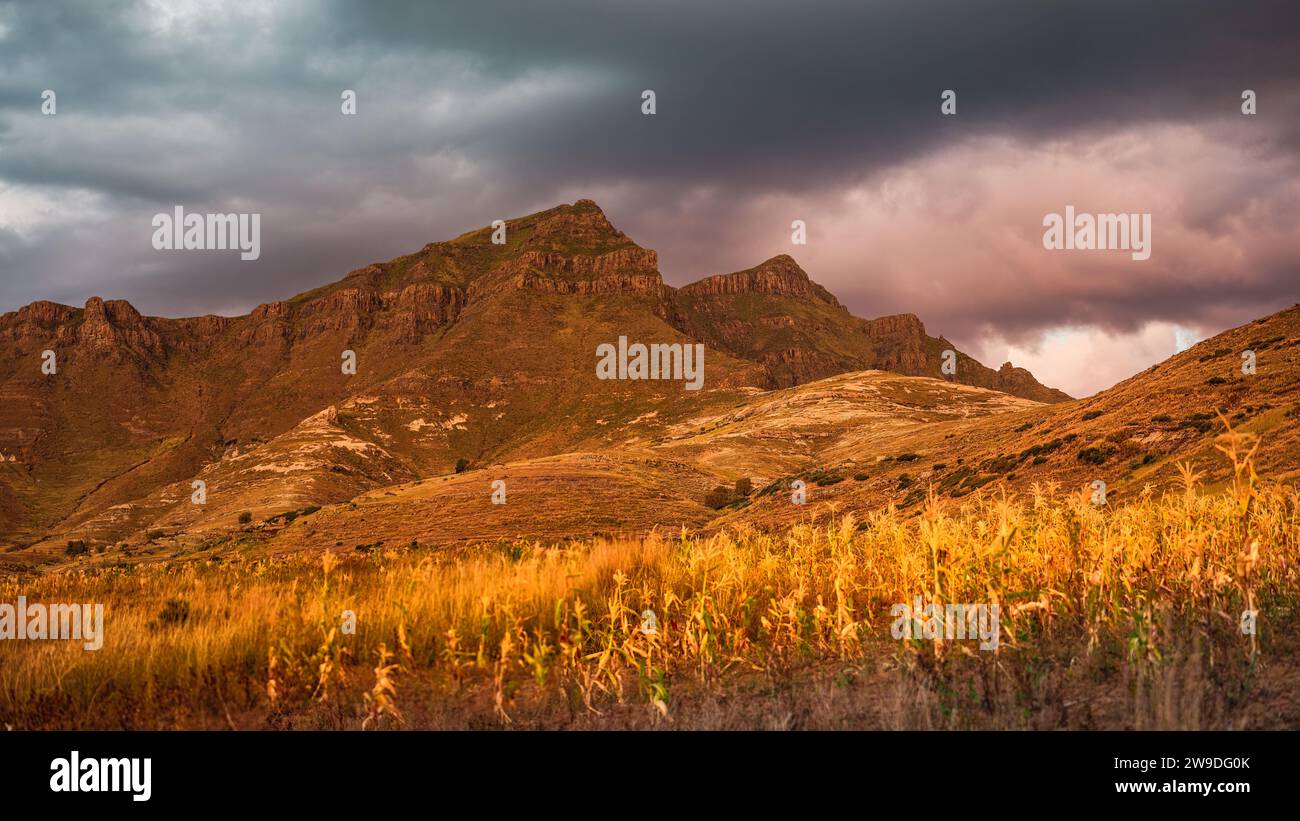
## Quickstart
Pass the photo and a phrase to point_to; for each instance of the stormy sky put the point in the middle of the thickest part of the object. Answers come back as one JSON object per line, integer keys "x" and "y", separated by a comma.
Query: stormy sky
{"x": 767, "y": 112}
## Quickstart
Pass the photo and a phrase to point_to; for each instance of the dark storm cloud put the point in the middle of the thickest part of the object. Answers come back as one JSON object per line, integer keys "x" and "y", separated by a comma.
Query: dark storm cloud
{"x": 473, "y": 111}
{"x": 790, "y": 94}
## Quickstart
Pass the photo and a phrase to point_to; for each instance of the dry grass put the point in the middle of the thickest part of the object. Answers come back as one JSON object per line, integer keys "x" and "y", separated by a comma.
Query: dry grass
{"x": 1125, "y": 617}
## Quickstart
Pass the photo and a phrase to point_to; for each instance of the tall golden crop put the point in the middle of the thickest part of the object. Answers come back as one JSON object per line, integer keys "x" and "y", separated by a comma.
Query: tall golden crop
{"x": 263, "y": 640}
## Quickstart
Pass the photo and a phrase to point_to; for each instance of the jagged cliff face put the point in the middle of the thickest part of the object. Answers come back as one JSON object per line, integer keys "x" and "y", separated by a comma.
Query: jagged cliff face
{"x": 779, "y": 276}
{"x": 465, "y": 349}
{"x": 775, "y": 315}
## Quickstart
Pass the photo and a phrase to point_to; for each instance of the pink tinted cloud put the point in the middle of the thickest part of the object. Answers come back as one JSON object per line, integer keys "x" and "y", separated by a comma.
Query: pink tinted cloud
{"x": 955, "y": 237}
{"x": 1083, "y": 360}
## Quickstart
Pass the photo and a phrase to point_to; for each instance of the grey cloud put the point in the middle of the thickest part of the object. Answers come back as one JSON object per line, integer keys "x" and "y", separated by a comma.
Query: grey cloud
{"x": 472, "y": 111}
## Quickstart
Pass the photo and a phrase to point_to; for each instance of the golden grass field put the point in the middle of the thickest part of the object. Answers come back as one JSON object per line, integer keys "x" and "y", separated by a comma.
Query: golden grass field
{"x": 1124, "y": 617}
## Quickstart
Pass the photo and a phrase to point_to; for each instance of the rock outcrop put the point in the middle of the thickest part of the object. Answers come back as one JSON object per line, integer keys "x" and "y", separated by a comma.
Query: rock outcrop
{"x": 778, "y": 276}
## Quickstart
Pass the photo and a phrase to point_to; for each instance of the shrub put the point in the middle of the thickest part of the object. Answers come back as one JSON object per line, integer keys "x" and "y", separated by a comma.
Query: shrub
{"x": 1261, "y": 344}
{"x": 1215, "y": 380}
{"x": 245, "y": 517}
{"x": 718, "y": 498}
{"x": 744, "y": 486}
{"x": 462, "y": 464}
{"x": 1039, "y": 449}
{"x": 904, "y": 480}
{"x": 1161, "y": 418}
{"x": 824, "y": 478}
{"x": 1093, "y": 456}
{"x": 1000, "y": 464}
{"x": 1092, "y": 415}
{"x": 76, "y": 547}
{"x": 1140, "y": 463}
{"x": 954, "y": 479}
{"x": 1202, "y": 422}
{"x": 154, "y": 534}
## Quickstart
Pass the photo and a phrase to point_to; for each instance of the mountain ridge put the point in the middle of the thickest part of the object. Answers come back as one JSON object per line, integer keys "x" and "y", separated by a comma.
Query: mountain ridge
{"x": 568, "y": 249}
{"x": 466, "y": 350}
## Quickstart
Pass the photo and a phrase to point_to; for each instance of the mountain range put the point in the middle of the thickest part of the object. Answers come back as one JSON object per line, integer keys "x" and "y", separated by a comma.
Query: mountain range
{"x": 475, "y": 362}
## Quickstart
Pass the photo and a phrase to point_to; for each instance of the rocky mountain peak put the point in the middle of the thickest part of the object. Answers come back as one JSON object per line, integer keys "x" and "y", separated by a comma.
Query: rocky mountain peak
{"x": 778, "y": 276}
{"x": 43, "y": 314}
{"x": 115, "y": 324}
{"x": 579, "y": 228}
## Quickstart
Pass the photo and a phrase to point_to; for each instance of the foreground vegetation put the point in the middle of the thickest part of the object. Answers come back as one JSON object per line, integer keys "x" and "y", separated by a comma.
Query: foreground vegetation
{"x": 1124, "y": 617}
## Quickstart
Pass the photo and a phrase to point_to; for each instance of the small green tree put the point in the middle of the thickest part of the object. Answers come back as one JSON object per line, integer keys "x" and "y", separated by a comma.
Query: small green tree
{"x": 462, "y": 464}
